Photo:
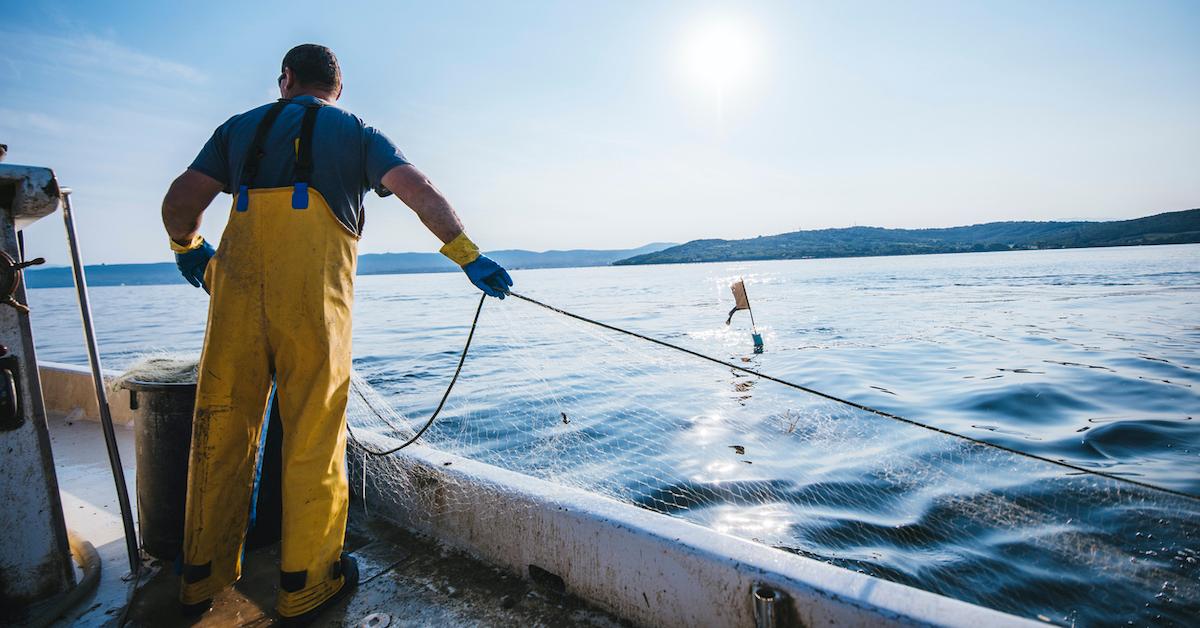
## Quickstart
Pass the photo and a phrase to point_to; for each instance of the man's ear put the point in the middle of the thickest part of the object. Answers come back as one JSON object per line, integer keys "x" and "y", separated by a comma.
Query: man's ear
{"x": 289, "y": 81}
{"x": 339, "y": 92}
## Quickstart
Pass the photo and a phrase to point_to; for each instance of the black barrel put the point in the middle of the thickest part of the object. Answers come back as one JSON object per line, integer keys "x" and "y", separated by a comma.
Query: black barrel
{"x": 162, "y": 439}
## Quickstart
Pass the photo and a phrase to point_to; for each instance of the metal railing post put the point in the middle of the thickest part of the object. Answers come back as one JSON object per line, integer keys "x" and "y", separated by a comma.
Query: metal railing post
{"x": 106, "y": 422}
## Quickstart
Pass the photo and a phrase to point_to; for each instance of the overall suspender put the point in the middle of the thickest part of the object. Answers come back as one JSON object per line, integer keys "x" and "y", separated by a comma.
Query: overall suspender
{"x": 304, "y": 163}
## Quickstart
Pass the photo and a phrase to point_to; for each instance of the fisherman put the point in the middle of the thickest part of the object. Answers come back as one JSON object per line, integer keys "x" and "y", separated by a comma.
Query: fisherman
{"x": 282, "y": 285}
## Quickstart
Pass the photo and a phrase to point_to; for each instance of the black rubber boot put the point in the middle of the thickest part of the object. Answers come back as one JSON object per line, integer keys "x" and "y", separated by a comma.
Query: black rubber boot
{"x": 349, "y": 574}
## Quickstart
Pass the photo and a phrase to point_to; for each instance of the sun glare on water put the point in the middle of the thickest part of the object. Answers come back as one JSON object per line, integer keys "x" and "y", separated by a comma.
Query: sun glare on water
{"x": 720, "y": 55}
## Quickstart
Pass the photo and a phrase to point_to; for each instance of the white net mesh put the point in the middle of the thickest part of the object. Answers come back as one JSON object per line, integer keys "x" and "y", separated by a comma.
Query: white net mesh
{"x": 560, "y": 400}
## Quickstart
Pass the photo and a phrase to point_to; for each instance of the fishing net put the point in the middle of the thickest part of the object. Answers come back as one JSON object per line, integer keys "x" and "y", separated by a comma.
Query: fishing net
{"x": 573, "y": 404}
{"x": 160, "y": 368}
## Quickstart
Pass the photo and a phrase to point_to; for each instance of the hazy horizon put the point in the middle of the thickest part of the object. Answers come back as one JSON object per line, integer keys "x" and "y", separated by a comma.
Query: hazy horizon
{"x": 599, "y": 126}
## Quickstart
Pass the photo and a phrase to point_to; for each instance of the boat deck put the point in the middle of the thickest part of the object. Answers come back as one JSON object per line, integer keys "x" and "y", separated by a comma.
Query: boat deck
{"x": 406, "y": 580}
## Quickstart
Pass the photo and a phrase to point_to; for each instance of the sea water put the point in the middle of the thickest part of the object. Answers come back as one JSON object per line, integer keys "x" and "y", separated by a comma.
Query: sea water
{"x": 1089, "y": 356}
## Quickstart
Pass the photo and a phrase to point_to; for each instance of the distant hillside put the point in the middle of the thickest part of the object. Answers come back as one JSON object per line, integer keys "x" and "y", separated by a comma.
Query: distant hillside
{"x": 514, "y": 259}
{"x": 105, "y": 275}
{"x": 1169, "y": 228}
{"x": 564, "y": 259}
{"x": 370, "y": 264}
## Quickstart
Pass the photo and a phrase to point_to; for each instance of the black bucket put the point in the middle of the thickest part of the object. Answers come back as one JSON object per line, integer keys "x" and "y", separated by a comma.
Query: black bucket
{"x": 162, "y": 441}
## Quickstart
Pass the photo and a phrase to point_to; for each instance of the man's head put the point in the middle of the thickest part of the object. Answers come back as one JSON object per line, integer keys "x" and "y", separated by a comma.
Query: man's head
{"x": 310, "y": 69}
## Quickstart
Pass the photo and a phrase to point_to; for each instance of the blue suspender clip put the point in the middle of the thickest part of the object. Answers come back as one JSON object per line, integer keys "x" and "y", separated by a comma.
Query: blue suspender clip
{"x": 300, "y": 195}
{"x": 243, "y": 199}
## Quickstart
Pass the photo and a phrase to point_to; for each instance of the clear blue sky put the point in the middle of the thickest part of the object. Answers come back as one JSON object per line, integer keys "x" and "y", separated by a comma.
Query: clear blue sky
{"x": 573, "y": 124}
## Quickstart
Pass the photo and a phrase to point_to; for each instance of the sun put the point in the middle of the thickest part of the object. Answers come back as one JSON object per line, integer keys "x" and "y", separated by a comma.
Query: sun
{"x": 720, "y": 54}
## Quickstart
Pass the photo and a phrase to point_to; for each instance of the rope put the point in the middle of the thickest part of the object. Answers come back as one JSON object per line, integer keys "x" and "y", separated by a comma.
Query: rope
{"x": 433, "y": 417}
{"x": 853, "y": 404}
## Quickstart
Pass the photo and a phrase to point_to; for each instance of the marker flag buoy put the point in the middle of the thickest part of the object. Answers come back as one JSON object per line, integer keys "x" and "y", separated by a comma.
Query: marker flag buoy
{"x": 742, "y": 302}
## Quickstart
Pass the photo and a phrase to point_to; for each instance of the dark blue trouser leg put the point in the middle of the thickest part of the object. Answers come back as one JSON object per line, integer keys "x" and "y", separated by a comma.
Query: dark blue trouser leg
{"x": 266, "y": 508}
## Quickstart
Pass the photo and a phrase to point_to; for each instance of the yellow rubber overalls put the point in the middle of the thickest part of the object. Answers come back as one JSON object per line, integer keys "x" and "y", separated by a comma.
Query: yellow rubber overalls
{"x": 282, "y": 290}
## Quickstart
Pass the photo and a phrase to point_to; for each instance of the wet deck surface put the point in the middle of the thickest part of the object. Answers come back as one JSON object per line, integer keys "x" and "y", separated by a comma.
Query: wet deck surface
{"x": 406, "y": 580}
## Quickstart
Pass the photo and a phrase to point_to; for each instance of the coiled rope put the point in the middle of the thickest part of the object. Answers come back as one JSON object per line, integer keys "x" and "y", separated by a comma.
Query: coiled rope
{"x": 749, "y": 371}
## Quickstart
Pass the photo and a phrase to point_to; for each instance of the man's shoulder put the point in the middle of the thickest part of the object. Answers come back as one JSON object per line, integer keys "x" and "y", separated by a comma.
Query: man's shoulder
{"x": 242, "y": 125}
{"x": 251, "y": 116}
{"x": 346, "y": 117}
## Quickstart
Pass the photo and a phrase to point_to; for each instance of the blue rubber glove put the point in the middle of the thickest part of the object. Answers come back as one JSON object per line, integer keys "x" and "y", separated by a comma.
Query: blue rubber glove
{"x": 489, "y": 277}
{"x": 192, "y": 264}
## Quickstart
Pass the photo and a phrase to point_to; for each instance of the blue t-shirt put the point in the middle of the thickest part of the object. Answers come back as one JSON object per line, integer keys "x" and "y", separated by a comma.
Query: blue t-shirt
{"x": 349, "y": 157}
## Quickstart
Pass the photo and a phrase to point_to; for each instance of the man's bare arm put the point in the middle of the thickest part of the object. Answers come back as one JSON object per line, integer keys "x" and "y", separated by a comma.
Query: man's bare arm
{"x": 185, "y": 202}
{"x": 439, "y": 217}
{"x": 415, "y": 190}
